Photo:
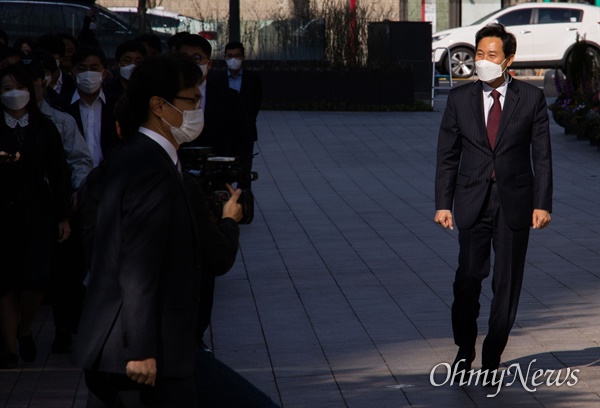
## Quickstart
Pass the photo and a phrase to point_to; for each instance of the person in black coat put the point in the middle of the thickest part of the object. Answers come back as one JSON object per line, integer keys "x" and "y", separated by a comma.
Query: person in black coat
{"x": 226, "y": 129}
{"x": 247, "y": 83}
{"x": 34, "y": 180}
{"x": 138, "y": 326}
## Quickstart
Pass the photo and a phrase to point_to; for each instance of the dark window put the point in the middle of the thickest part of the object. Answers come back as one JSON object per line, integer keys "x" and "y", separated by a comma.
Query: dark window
{"x": 517, "y": 17}
{"x": 559, "y": 15}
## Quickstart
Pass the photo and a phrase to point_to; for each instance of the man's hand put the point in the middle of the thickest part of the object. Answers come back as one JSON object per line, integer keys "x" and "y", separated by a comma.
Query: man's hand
{"x": 64, "y": 230}
{"x": 232, "y": 209}
{"x": 143, "y": 371}
{"x": 540, "y": 219}
{"x": 444, "y": 218}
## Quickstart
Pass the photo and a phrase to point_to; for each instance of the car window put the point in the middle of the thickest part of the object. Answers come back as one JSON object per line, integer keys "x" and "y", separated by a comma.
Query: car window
{"x": 105, "y": 22}
{"x": 482, "y": 19}
{"x": 162, "y": 23}
{"x": 73, "y": 17}
{"x": 517, "y": 17}
{"x": 559, "y": 15}
{"x": 27, "y": 19}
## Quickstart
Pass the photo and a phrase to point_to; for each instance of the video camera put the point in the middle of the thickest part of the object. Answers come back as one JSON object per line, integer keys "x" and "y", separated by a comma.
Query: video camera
{"x": 213, "y": 172}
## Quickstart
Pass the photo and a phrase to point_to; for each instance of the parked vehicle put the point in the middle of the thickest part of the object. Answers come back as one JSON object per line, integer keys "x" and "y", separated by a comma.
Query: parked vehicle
{"x": 32, "y": 18}
{"x": 161, "y": 21}
{"x": 546, "y": 33}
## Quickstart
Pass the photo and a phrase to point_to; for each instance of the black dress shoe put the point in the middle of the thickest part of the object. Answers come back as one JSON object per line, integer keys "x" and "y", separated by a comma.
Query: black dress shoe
{"x": 27, "y": 348}
{"x": 463, "y": 359}
{"x": 63, "y": 342}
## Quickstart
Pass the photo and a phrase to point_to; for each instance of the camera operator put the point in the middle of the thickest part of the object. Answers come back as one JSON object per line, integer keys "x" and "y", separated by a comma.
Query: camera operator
{"x": 227, "y": 130}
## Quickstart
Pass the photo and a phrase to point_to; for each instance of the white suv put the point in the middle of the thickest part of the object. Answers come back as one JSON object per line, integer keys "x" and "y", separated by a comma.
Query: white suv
{"x": 545, "y": 33}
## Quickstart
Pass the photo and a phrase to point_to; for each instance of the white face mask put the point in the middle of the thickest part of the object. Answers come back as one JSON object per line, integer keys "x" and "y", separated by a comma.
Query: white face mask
{"x": 126, "y": 71}
{"x": 89, "y": 81}
{"x": 204, "y": 69}
{"x": 234, "y": 64}
{"x": 192, "y": 125}
{"x": 488, "y": 71}
{"x": 15, "y": 99}
{"x": 48, "y": 79}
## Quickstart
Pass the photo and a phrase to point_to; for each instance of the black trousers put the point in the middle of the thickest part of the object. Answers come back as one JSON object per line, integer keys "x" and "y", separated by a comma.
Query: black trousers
{"x": 66, "y": 281}
{"x": 510, "y": 248}
{"x": 111, "y": 390}
{"x": 218, "y": 385}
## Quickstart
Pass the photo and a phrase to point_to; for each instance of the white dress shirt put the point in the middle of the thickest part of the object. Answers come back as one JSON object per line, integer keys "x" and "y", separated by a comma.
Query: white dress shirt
{"x": 162, "y": 141}
{"x": 91, "y": 118}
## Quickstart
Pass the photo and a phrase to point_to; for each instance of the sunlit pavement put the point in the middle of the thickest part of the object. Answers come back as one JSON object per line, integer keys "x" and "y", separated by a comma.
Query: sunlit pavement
{"x": 341, "y": 293}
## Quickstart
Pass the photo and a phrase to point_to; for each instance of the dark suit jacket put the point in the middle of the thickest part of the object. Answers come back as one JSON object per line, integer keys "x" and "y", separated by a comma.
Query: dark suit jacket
{"x": 218, "y": 245}
{"x": 66, "y": 92}
{"x": 251, "y": 93}
{"x": 143, "y": 294}
{"x": 225, "y": 122}
{"x": 109, "y": 137}
{"x": 521, "y": 158}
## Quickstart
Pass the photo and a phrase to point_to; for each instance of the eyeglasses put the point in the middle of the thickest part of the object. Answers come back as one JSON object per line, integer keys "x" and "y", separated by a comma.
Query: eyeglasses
{"x": 199, "y": 58}
{"x": 194, "y": 101}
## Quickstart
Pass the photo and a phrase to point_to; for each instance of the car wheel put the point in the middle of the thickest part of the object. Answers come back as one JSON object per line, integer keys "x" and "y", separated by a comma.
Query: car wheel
{"x": 462, "y": 62}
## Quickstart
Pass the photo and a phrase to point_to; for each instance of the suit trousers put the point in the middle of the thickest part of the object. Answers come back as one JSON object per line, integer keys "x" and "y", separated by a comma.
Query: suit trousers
{"x": 112, "y": 390}
{"x": 218, "y": 385}
{"x": 510, "y": 248}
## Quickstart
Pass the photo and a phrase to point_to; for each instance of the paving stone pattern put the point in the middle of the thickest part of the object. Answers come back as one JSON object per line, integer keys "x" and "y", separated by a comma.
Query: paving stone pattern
{"x": 341, "y": 293}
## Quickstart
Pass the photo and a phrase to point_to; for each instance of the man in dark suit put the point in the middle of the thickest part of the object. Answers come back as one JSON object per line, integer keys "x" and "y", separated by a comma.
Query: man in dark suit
{"x": 247, "y": 83}
{"x": 138, "y": 327}
{"x": 494, "y": 164}
{"x": 226, "y": 129}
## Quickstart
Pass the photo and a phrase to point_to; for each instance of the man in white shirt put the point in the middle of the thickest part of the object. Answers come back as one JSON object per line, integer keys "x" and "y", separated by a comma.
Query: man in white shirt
{"x": 91, "y": 108}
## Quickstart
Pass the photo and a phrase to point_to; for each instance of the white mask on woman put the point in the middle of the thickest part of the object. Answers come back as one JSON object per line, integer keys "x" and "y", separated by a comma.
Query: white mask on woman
{"x": 89, "y": 81}
{"x": 192, "y": 125}
{"x": 15, "y": 99}
{"x": 489, "y": 71}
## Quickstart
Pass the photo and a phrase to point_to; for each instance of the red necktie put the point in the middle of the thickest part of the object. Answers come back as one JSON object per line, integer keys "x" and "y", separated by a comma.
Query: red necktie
{"x": 493, "y": 121}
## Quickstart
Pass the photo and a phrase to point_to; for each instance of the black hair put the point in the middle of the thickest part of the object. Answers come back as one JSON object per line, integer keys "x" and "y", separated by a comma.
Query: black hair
{"x": 232, "y": 45}
{"x": 23, "y": 77}
{"x": 130, "y": 46}
{"x": 84, "y": 52}
{"x": 509, "y": 42}
{"x": 34, "y": 67}
{"x": 172, "y": 41}
{"x": 194, "y": 40}
{"x": 6, "y": 52}
{"x": 45, "y": 58}
{"x": 151, "y": 40}
{"x": 23, "y": 40}
{"x": 3, "y": 36}
{"x": 51, "y": 43}
{"x": 67, "y": 36}
{"x": 162, "y": 76}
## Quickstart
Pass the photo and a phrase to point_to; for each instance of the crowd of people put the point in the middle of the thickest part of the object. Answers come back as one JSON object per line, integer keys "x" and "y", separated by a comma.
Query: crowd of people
{"x": 101, "y": 221}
